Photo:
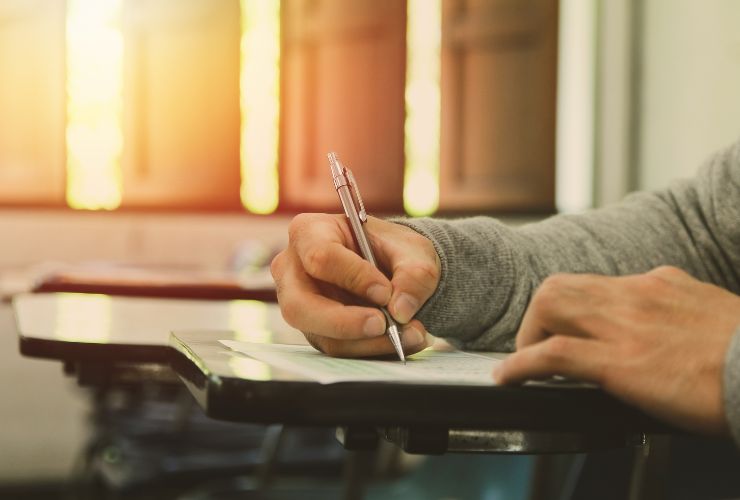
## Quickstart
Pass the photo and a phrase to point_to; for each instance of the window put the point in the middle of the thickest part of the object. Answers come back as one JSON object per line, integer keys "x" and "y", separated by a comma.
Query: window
{"x": 498, "y": 106}
{"x": 215, "y": 105}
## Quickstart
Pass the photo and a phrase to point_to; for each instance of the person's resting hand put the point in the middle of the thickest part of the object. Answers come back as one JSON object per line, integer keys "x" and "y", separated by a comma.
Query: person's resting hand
{"x": 326, "y": 289}
{"x": 656, "y": 340}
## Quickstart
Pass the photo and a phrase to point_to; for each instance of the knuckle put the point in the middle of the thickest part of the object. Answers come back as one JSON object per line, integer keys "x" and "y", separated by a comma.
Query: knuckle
{"x": 331, "y": 348}
{"x": 425, "y": 272}
{"x": 586, "y": 320}
{"x": 429, "y": 271}
{"x": 428, "y": 247}
{"x": 556, "y": 349}
{"x": 546, "y": 294}
{"x": 652, "y": 283}
{"x": 668, "y": 272}
{"x": 538, "y": 305}
{"x": 548, "y": 288}
{"x": 277, "y": 265}
{"x": 316, "y": 260}
{"x": 291, "y": 311}
{"x": 297, "y": 225}
{"x": 302, "y": 225}
{"x": 656, "y": 287}
{"x": 316, "y": 341}
{"x": 554, "y": 283}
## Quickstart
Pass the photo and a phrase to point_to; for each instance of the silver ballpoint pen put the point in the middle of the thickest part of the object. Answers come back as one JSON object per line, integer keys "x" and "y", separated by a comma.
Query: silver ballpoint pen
{"x": 354, "y": 209}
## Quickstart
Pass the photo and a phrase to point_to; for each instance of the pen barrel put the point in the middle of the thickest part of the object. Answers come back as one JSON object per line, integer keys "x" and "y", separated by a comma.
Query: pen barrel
{"x": 357, "y": 227}
{"x": 356, "y": 221}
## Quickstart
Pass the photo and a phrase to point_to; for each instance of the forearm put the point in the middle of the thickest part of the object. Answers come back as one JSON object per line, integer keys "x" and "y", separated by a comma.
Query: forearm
{"x": 694, "y": 225}
{"x": 489, "y": 271}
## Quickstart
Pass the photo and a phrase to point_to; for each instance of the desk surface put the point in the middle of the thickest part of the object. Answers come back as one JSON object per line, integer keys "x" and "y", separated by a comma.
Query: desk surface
{"x": 231, "y": 386}
{"x": 79, "y": 327}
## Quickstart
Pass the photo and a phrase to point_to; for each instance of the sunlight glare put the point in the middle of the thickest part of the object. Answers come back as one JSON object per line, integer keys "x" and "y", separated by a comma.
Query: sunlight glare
{"x": 260, "y": 104}
{"x": 83, "y": 318}
{"x": 94, "y": 103}
{"x": 422, "y": 128}
{"x": 248, "y": 320}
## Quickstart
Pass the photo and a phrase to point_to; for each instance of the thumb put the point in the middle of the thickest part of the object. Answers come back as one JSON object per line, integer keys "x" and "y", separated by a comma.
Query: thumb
{"x": 413, "y": 283}
{"x": 413, "y": 264}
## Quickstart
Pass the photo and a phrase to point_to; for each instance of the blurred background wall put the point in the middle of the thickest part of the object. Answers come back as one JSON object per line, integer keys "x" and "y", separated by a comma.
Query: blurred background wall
{"x": 690, "y": 76}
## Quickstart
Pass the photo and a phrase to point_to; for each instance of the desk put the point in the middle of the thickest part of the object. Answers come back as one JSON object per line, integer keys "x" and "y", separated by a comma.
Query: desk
{"x": 103, "y": 339}
{"x": 98, "y": 335}
{"x": 119, "y": 347}
{"x": 420, "y": 418}
{"x": 424, "y": 419}
{"x": 74, "y": 327}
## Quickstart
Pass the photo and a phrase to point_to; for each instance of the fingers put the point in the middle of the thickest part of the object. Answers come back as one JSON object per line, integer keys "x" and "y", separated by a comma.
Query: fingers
{"x": 577, "y": 358}
{"x": 336, "y": 264}
{"x": 592, "y": 306}
{"x": 305, "y": 307}
{"x": 322, "y": 247}
{"x": 567, "y": 304}
{"x": 414, "y": 338}
{"x": 320, "y": 278}
{"x": 325, "y": 250}
{"x": 413, "y": 284}
{"x": 414, "y": 265}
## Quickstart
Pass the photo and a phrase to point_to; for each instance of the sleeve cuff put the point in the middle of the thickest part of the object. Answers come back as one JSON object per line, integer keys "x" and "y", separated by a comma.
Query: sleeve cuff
{"x": 471, "y": 306}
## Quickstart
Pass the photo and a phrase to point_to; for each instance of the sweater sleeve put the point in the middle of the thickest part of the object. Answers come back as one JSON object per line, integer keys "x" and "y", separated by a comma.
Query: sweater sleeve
{"x": 490, "y": 270}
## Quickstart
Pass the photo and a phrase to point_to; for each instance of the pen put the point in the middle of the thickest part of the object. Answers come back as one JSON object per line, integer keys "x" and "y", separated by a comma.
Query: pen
{"x": 354, "y": 209}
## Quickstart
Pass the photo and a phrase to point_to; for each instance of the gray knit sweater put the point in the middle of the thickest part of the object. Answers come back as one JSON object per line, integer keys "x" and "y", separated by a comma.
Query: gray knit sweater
{"x": 489, "y": 270}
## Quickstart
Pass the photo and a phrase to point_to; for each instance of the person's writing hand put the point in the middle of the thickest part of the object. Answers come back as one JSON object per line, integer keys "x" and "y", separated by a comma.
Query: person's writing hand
{"x": 326, "y": 289}
{"x": 656, "y": 340}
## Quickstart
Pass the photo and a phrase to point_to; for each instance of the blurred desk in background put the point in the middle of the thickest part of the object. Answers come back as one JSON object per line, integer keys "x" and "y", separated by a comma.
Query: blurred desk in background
{"x": 149, "y": 437}
{"x": 73, "y": 328}
{"x": 150, "y": 434}
{"x": 160, "y": 281}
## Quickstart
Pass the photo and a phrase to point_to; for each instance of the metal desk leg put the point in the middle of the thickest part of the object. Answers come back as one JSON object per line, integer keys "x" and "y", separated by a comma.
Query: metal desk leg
{"x": 269, "y": 456}
{"x": 358, "y": 470}
{"x": 650, "y": 469}
{"x": 556, "y": 476}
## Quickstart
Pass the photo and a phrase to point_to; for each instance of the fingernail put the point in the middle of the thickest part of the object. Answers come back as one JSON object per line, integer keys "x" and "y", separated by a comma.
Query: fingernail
{"x": 496, "y": 374}
{"x": 379, "y": 294}
{"x": 405, "y": 307}
{"x": 374, "y": 326}
{"x": 411, "y": 337}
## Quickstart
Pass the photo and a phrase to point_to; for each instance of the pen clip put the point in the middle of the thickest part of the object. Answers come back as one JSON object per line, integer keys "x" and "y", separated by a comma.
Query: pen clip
{"x": 362, "y": 214}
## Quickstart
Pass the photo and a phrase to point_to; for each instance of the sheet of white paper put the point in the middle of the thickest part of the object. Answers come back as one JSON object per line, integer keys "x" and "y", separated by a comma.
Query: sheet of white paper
{"x": 429, "y": 366}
